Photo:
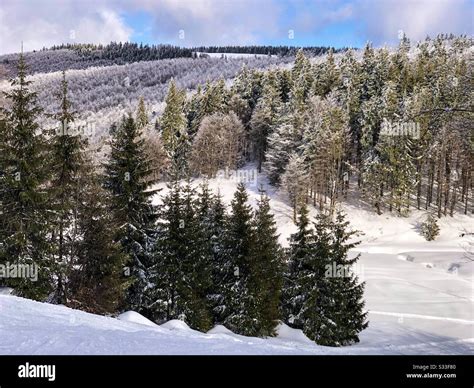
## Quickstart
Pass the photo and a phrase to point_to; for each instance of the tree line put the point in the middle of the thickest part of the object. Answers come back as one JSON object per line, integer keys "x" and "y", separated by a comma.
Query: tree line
{"x": 392, "y": 127}
{"x": 102, "y": 246}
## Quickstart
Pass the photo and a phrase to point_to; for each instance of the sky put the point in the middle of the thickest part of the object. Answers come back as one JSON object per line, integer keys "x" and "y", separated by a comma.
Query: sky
{"x": 337, "y": 23}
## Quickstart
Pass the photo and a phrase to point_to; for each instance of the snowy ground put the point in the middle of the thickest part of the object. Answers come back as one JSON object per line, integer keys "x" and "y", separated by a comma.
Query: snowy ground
{"x": 419, "y": 294}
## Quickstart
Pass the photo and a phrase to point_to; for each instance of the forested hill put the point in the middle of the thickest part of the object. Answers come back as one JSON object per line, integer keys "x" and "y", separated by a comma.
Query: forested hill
{"x": 83, "y": 56}
{"x": 282, "y": 51}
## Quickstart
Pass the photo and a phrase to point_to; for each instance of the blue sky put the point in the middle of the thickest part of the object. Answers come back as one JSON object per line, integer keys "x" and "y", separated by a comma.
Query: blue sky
{"x": 335, "y": 23}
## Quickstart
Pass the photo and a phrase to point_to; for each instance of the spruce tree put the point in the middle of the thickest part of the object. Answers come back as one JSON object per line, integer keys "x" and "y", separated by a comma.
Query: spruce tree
{"x": 23, "y": 196}
{"x": 142, "y": 114}
{"x": 127, "y": 180}
{"x": 182, "y": 270}
{"x": 240, "y": 307}
{"x": 299, "y": 254}
{"x": 175, "y": 136}
{"x": 267, "y": 270}
{"x": 166, "y": 273}
{"x": 265, "y": 117}
{"x": 216, "y": 227}
{"x": 196, "y": 264}
{"x": 67, "y": 164}
{"x": 97, "y": 282}
{"x": 326, "y": 302}
{"x": 347, "y": 317}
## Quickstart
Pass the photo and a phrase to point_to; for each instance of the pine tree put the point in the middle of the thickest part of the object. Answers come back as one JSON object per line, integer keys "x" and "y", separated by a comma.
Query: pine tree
{"x": 240, "y": 307}
{"x": 174, "y": 130}
{"x": 183, "y": 260}
{"x": 23, "y": 195}
{"x": 299, "y": 253}
{"x": 216, "y": 222}
{"x": 126, "y": 179}
{"x": 323, "y": 297}
{"x": 142, "y": 115}
{"x": 67, "y": 164}
{"x": 346, "y": 308}
{"x": 265, "y": 117}
{"x": 295, "y": 182}
{"x": 97, "y": 280}
{"x": 266, "y": 275}
{"x": 284, "y": 141}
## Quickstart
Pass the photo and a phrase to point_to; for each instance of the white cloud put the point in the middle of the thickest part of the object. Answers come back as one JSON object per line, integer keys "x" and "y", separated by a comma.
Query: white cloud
{"x": 215, "y": 22}
{"x": 41, "y": 23}
{"x": 48, "y": 22}
{"x": 417, "y": 18}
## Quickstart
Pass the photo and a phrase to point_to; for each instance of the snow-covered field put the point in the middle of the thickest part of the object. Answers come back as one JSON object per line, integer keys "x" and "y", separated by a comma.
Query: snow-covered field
{"x": 419, "y": 294}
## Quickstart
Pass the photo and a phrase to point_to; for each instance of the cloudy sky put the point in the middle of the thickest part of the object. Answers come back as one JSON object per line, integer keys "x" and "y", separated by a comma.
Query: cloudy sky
{"x": 40, "y": 23}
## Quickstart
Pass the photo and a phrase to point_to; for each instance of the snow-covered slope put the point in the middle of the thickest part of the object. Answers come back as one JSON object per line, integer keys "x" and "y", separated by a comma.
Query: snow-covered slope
{"x": 28, "y": 327}
{"x": 419, "y": 295}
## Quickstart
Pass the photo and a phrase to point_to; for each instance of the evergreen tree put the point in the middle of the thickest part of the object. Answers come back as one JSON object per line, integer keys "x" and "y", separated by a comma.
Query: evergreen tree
{"x": 142, "y": 115}
{"x": 174, "y": 130}
{"x": 67, "y": 165}
{"x": 126, "y": 179}
{"x": 23, "y": 196}
{"x": 282, "y": 143}
{"x": 295, "y": 182}
{"x": 266, "y": 276}
{"x": 299, "y": 253}
{"x": 264, "y": 117}
{"x": 166, "y": 273}
{"x": 97, "y": 282}
{"x": 195, "y": 263}
{"x": 346, "y": 305}
{"x": 240, "y": 307}
{"x": 184, "y": 256}
{"x": 323, "y": 297}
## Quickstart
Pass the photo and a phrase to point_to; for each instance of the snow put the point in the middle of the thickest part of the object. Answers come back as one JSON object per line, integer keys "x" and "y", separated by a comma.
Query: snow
{"x": 235, "y": 55}
{"x": 285, "y": 332}
{"x": 219, "y": 329}
{"x": 29, "y": 327}
{"x": 134, "y": 317}
{"x": 176, "y": 325}
{"x": 419, "y": 295}
{"x": 6, "y": 290}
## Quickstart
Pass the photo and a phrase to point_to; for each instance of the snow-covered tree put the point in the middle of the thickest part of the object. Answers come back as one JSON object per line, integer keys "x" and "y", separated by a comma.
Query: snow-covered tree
{"x": 127, "y": 180}
{"x": 218, "y": 144}
{"x": 295, "y": 182}
{"x": 23, "y": 190}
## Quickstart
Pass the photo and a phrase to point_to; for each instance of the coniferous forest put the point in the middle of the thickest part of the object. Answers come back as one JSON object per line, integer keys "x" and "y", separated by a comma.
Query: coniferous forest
{"x": 389, "y": 129}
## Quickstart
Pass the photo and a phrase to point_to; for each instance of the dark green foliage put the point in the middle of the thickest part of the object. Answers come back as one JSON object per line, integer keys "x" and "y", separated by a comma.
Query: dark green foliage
{"x": 323, "y": 297}
{"x": 66, "y": 167}
{"x": 97, "y": 280}
{"x": 252, "y": 268}
{"x": 267, "y": 273}
{"x": 23, "y": 189}
{"x": 127, "y": 179}
{"x": 183, "y": 259}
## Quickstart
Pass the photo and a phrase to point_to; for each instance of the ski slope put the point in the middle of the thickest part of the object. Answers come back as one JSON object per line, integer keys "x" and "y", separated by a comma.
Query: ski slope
{"x": 419, "y": 295}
